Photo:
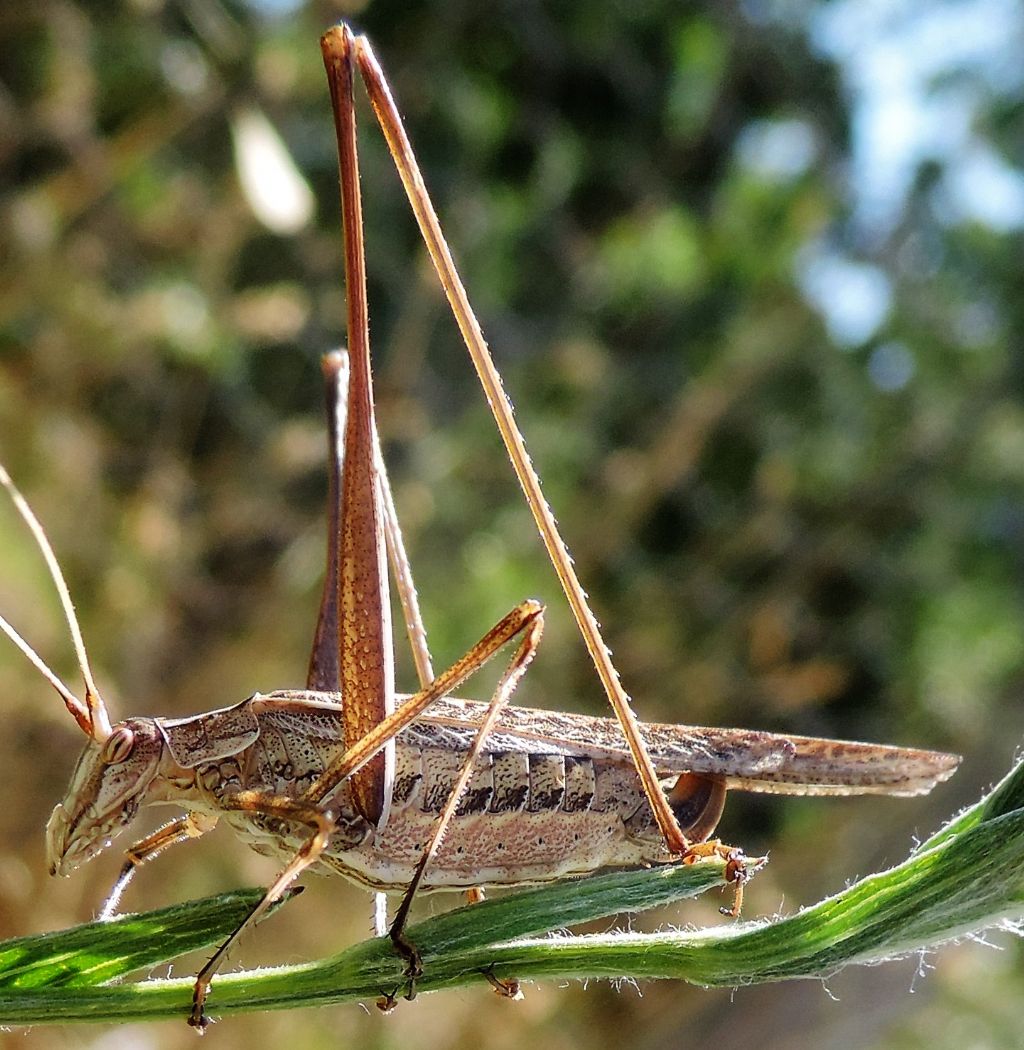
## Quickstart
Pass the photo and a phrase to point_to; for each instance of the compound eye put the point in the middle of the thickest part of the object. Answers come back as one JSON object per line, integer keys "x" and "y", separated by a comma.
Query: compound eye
{"x": 119, "y": 745}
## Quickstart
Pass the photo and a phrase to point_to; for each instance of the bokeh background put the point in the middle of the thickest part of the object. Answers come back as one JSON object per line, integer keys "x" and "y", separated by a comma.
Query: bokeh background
{"x": 752, "y": 273}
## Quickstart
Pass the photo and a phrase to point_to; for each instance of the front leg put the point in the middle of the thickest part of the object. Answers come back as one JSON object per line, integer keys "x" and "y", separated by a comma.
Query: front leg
{"x": 321, "y": 822}
{"x": 190, "y": 826}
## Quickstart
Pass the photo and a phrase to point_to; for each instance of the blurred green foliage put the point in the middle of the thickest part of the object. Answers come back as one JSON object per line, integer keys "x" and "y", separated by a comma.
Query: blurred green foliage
{"x": 658, "y": 208}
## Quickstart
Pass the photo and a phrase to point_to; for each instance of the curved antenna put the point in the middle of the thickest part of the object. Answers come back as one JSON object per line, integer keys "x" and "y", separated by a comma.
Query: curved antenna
{"x": 92, "y": 715}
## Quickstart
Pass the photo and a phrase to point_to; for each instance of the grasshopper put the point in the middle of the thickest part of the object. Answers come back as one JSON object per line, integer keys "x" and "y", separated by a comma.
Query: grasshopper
{"x": 422, "y": 791}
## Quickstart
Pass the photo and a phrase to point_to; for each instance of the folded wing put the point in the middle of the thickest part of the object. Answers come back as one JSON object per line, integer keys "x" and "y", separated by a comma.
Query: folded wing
{"x": 750, "y": 760}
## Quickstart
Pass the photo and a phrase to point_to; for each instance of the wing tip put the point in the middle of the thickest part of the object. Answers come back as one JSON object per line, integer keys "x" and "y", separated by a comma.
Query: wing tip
{"x": 857, "y": 769}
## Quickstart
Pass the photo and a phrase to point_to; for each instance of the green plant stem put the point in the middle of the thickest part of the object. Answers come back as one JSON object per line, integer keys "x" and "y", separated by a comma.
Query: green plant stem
{"x": 967, "y": 877}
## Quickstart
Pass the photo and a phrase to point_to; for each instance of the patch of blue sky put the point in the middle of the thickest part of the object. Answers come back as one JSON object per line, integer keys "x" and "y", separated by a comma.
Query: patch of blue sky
{"x": 854, "y": 298}
{"x": 918, "y": 76}
{"x": 891, "y": 366}
{"x": 779, "y": 150}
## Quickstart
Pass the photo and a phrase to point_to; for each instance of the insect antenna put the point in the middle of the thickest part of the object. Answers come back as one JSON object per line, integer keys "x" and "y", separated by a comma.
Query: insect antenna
{"x": 91, "y": 715}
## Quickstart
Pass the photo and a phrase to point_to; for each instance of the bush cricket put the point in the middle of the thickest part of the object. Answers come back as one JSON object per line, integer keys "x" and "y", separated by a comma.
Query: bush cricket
{"x": 423, "y": 792}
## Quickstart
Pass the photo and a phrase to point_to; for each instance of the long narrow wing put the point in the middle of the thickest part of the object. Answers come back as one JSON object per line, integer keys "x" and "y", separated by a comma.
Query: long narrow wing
{"x": 750, "y": 760}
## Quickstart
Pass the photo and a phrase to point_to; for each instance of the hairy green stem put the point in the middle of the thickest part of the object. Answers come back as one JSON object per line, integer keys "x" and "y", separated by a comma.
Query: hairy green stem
{"x": 967, "y": 877}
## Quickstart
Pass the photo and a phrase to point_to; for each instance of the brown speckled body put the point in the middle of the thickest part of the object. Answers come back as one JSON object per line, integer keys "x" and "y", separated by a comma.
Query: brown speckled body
{"x": 553, "y": 794}
{"x": 531, "y": 813}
